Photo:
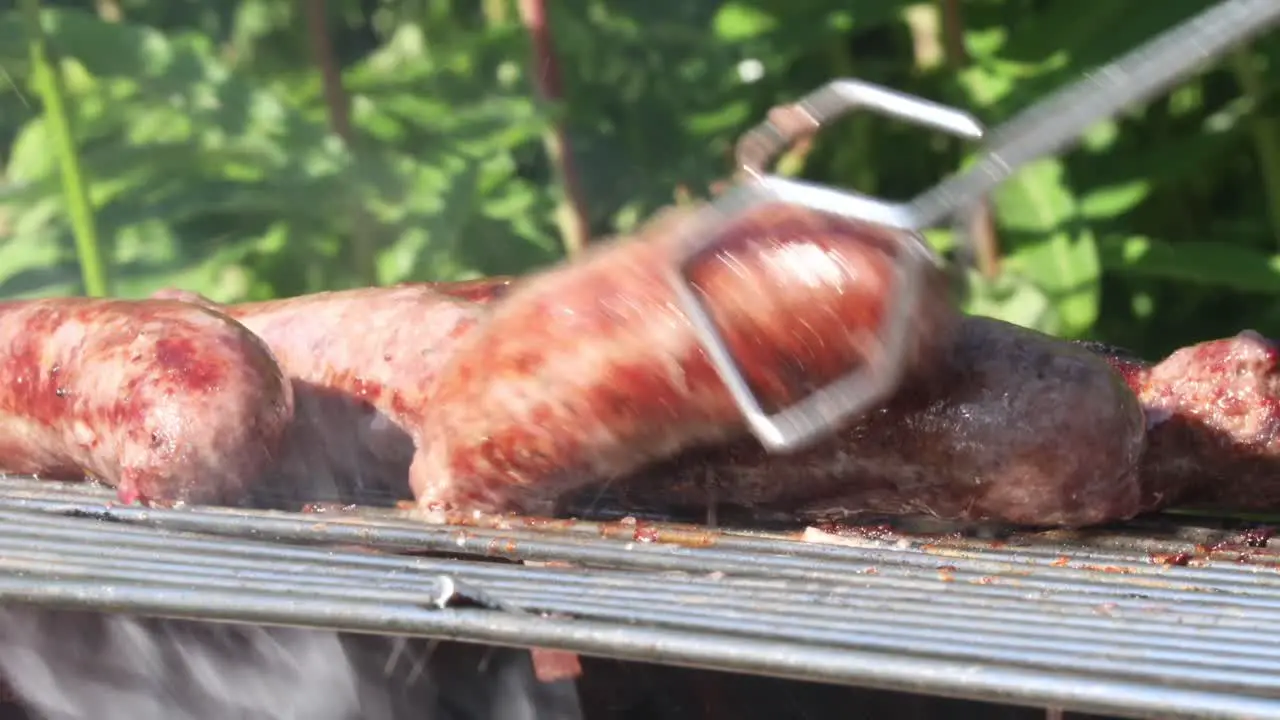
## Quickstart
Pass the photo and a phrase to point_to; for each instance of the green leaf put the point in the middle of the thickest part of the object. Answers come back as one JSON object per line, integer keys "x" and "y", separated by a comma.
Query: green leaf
{"x": 1114, "y": 200}
{"x": 737, "y": 21}
{"x": 1036, "y": 208}
{"x": 1012, "y": 299}
{"x": 1219, "y": 264}
{"x": 29, "y": 157}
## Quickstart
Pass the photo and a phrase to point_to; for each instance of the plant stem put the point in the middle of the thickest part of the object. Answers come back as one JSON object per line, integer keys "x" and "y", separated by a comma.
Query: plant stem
{"x": 980, "y": 224}
{"x": 48, "y": 80}
{"x": 953, "y": 34}
{"x": 1265, "y": 130}
{"x": 363, "y": 246}
{"x": 575, "y": 225}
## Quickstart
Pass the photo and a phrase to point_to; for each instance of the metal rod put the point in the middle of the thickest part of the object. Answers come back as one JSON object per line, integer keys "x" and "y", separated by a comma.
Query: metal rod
{"x": 750, "y": 614}
{"x": 1056, "y": 122}
{"x": 900, "y": 638}
{"x": 894, "y": 670}
{"x": 955, "y": 617}
{"x": 178, "y": 560}
{"x": 772, "y": 558}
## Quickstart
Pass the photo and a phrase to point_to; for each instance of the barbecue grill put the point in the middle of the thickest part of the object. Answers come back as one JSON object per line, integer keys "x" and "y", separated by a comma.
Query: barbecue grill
{"x": 1157, "y": 619}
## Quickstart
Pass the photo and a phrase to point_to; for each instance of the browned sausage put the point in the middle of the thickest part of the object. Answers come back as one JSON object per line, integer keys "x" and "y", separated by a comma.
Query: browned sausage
{"x": 1013, "y": 427}
{"x": 593, "y": 353}
{"x": 362, "y": 363}
{"x": 1016, "y": 427}
{"x": 1213, "y": 415}
{"x": 163, "y": 400}
{"x": 590, "y": 371}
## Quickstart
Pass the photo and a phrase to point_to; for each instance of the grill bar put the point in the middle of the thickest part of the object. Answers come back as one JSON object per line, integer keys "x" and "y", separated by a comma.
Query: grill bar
{"x": 921, "y": 632}
{"x": 37, "y": 547}
{"x": 1081, "y": 621}
{"x": 779, "y": 659}
{"x": 1236, "y": 585}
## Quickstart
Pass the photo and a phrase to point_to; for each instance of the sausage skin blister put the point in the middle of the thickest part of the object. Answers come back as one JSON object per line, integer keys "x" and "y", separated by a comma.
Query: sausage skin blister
{"x": 165, "y": 401}
{"x": 1012, "y": 427}
{"x": 590, "y": 371}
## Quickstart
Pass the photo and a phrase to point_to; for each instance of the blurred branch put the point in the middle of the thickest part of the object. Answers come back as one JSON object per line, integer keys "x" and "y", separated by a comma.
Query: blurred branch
{"x": 109, "y": 10}
{"x": 979, "y": 225}
{"x": 953, "y": 34}
{"x": 495, "y": 11}
{"x": 923, "y": 22}
{"x": 47, "y": 75}
{"x": 575, "y": 225}
{"x": 363, "y": 251}
{"x": 1265, "y": 130}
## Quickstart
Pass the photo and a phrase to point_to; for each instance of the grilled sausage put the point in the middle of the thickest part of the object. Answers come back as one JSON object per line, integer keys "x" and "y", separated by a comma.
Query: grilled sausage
{"x": 1012, "y": 427}
{"x": 1212, "y": 429}
{"x": 165, "y": 401}
{"x": 1016, "y": 426}
{"x": 590, "y": 371}
{"x": 362, "y": 363}
{"x": 1213, "y": 416}
{"x": 583, "y": 373}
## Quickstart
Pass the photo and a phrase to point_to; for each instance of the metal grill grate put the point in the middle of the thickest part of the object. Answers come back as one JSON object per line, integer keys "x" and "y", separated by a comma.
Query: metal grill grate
{"x": 1149, "y": 622}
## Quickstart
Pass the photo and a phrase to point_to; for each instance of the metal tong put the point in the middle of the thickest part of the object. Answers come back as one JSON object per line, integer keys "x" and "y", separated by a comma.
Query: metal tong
{"x": 1050, "y": 126}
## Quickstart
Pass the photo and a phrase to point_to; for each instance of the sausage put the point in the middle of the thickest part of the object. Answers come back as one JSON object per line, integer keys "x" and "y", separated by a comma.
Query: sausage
{"x": 1013, "y": 427}
{"x": 362, "y": 363}
{"x": 434, "y": 369}
{"x": 1213, "y": 415}
{"x": 589, "y": 371}
{"x": 942, "y": 447}
{"x": 1212, "y": 440}
{"x": 165, "y": 401}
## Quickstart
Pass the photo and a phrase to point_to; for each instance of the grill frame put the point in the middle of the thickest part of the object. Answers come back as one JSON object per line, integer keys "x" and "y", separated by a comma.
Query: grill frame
{"x": 1158, "y": 620}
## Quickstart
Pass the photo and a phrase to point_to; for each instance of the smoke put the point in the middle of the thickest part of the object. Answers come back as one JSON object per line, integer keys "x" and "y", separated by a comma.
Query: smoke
{"x": 73, "y": 666}
{"x": 79, "y": 665}
{"x": 337, "y": 450}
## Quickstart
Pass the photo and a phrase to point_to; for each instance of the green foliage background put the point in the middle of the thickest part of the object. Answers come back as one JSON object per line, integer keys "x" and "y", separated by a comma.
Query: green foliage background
{"x": 205, "y": 140}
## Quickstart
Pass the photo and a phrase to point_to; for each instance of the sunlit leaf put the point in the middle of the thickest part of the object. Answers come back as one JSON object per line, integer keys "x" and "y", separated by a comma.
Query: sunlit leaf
{"x": 739, "y": 21}
{"x": 1060, "y": 256}
{"x": 1214, "y": 264}
{"x": 1114, "y": 200}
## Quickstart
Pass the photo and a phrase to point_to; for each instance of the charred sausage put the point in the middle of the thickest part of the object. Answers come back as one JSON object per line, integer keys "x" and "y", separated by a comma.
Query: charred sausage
{"x": 1013, "y": 426}
{"x": 1212, "y": 428}
{"x": 165, "y": 401}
